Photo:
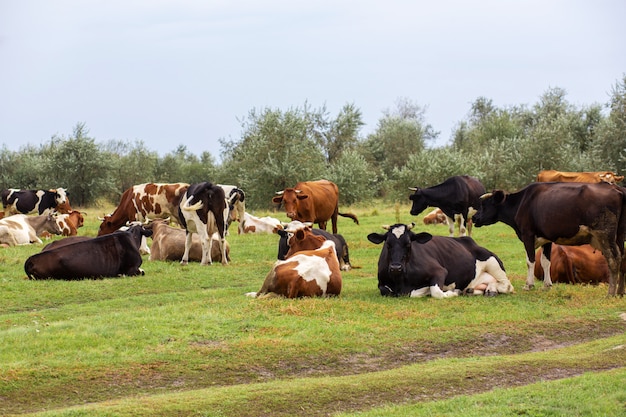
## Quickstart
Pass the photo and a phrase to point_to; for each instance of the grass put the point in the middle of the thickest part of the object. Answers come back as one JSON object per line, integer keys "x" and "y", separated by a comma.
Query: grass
{"x": 186, "y": 341}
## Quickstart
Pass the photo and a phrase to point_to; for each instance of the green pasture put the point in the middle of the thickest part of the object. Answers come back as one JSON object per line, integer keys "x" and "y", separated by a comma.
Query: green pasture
{"x": 186, "y": 341}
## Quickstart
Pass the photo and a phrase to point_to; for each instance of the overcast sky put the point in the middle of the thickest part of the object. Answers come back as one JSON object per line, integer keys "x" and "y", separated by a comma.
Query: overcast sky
{"x": 186, "y": 72}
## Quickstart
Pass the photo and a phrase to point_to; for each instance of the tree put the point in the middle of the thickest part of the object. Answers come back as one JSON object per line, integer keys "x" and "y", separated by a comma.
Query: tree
{"x": 343, "y": 132}
{"x": 353, "y": 176}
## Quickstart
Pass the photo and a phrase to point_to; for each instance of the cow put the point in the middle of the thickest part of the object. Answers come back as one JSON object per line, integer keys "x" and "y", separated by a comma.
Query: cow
{"x": 253, "y": 224}
{"x": 562, "y": 213}
{"x": 574, "y": 265}
{"x": 313, "y": 201}
{"x": 235, "y": 206}
{"x": 20, "y": 229}
{"x": 69, "y": 223}
{"x": 305, "y": 273}
{"x": 288, "y": 229}
{"x": 458, "y": 195}
{"x": 168, "y": 244}
{"x": 202, "y": 211}
{"x": 551, "y": 175}
{"x": 16, "y": 201}
{"x": 436, "y": 216}
{"x": 112, "y": 255}
{"x": 419, "y": 264}
{"x": 145, "y": 201}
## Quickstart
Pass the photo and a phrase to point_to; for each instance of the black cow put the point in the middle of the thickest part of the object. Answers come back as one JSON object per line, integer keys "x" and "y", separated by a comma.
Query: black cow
{"x": 341, "y": 247}
{"x": 202, "y": 210}
{"x": 419, "y": 264}
{"x": 16, "y": 201}
{"x": 109, "y": 255}
{"x": 563, "y": 213}
{"x": 457, "y": 197}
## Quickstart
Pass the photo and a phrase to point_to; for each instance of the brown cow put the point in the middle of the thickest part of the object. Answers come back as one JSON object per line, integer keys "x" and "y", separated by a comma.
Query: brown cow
{"x": 575, "y": 265}
{"x": 168, "y": 244}
{"x": 436, "y": 217}
{"x": 313, "y": 201}
{"x": 145, "y": 201}
{"x": 552, "y": 175}
{"x": 69, "y": 223}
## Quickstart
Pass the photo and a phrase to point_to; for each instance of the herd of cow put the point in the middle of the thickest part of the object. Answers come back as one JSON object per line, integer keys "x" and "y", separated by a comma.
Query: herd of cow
{"x": 585, "y": 212}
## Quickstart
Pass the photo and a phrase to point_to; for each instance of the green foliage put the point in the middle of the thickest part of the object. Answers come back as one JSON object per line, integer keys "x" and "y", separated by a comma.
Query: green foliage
{"x": 354, "y": 177}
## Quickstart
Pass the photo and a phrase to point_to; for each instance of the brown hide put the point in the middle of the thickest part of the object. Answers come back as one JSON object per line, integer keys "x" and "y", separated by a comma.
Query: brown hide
{"x": 436, "y": 217}
{"x": 551, "y": 175}
{"x": 303, "y": 240}
{"x": 575, "y": 265}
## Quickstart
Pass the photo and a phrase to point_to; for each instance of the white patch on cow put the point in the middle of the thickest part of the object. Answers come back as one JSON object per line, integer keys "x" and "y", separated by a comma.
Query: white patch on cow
{"x": 312, "y": 268}
{"x": 421, "y": 292}
{"x": 490, "y": 277}
{"x": 398, "y": 231}
{"x": 530, "y": 275}
{"x": 437, "y": 293}
{"x": 545, "y": 264}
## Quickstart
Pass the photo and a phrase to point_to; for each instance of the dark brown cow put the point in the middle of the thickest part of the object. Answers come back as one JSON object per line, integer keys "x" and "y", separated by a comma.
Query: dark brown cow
{"x": 550, "y": 175}
{"x": 306, "y": 273}
{"x": 313, "y": 201}
{"x": 145, "y": 201}
{"x": 563, "y": 213}
{"x": 575, "y": 265}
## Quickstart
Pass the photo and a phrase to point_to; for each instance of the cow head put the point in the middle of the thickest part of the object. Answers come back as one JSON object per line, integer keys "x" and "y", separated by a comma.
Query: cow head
{"x": 397, "y": 249}
{"x": 419, "y": 202}
{"x": 137, "y": 231}
{"x": 290, "y": 198}
{"x": 489, "y": 207}
{"x": 60, "y": 196}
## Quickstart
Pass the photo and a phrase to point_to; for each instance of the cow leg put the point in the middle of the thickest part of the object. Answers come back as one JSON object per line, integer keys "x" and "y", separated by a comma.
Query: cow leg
{"x": 545, "y": 264}
{"x": 451, "y": 226}
{"x": 436, "y": 292}
{"x": 462, "y": 228}
{"x": 185, "y": 259}
{"x": 421, "y": 292}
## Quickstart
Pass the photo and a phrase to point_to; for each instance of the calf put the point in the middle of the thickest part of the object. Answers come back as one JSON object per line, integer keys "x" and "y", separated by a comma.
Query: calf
{"x": 202, "y": 211}
{"x": 418, "y": 264}
{"x": 306, "y": 273}
{"x": 253, "y": 224}
{"x": 575, "y": 265}
{"x": 168, "y": 244}
{"x": 566, "y": 214}
{"x": 112, "y": 255}
{"x": 20, "y": 229}
{"x": 341, "y": 247}
{"x": 17, "y": 201}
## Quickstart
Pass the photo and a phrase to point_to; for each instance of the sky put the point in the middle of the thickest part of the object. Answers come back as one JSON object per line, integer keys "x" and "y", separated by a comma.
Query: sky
{"x": 187, "y": 72}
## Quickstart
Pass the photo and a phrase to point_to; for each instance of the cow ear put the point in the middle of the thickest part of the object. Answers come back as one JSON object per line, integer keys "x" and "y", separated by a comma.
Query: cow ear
{"x": 499, "y": 196}
{"x": 282, "y": 233}
{"x": 299, "y": 234}
{"x": 277, "y": 199}
{"x": 422, "y": 237}
{"x": 376, "y": 238}
{"x": 302, "y": 196}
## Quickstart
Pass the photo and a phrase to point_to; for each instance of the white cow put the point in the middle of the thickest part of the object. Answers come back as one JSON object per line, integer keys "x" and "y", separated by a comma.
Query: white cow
{"x": 20, "y": 229}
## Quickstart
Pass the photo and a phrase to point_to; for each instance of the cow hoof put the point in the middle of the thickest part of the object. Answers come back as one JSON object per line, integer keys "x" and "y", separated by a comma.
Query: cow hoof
{"x": 547, "y": 287}
{"x": 528, "y": 287}
{"x": 142, "y": 272}
{"x": 183, "y": 262}
{"x": 490, "y": 293}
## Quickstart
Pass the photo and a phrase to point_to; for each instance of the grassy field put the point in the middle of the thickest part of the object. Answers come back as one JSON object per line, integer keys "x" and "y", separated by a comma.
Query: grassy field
{"x": 185, "y": 341}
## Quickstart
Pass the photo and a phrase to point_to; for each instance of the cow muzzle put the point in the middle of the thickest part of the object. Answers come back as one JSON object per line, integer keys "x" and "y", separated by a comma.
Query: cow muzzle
{"x": 396, "y": 268}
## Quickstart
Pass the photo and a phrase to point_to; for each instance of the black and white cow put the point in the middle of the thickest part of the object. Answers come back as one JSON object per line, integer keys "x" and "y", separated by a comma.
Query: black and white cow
{"x": 16, "y": 201}
{"x": 235, "y": 205}
{"x": 341, "y": 246}
{"x": 419, "y": 264}
{"x": 111, "y": 255}
{"x": 458, "y": 197}
{"x": 202, "y": 210}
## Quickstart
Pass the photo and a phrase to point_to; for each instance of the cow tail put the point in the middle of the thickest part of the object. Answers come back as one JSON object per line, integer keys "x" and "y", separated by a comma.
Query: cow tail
{"x": 350, "y": 215}
{"x": 28, "y": 268}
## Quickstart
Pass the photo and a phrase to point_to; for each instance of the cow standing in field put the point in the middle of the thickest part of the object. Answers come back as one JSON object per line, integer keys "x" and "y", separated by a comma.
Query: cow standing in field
{"x": 550, "y": 175}
{"x": 304, "y": 273}
{"x": 112, "y": 255}
{"x": 419, "y": 264}
{"x": 288, "y": 229}
{"x": 575, "y": 265}
{"x": 201, "y": 211}
{"x": 16, "y": 201}
{"x": 456, "y": 196}
{"x": 313, "y": 201}
{"x": 168, "y": 244}
{"x": 563, "y": 213}
{"x": 145, "y": 201}
{"x": 235, "y": 206}
{"x": 20, "y": 229}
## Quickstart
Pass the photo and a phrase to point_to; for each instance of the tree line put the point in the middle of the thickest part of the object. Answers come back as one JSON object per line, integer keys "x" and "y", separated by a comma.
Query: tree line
{"x": 505, "y": 147}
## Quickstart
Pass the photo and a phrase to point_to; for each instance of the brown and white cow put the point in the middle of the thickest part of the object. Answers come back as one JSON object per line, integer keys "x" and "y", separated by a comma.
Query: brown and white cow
{"x": 575, "y": 265}
{"x": 168, "y": 244}
{"x": 20, "y": 229}
{"x": 70, "y": 222}
{"x": 436, "y": 216}
{"x": 145, "y": 201}
{"x": 253, "y": 224}
{"x": 551, "y": 175}
{"x": 16, "y": 201}
{"x": 201, "y": 211}
{"x": 566, "y": 214}
{"x": 305, "y": 273}
{"x": 313, "y": 201}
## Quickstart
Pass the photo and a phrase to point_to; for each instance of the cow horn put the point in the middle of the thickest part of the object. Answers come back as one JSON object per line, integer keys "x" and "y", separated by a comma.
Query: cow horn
{"x": 486, "y": 195}
{"x": 280, "y": 192}
{"x": 410, "y": 226}
{"x": 298, "y": 191}
{"x": 413, "y": 188}
{"x": 386, "y": 226}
